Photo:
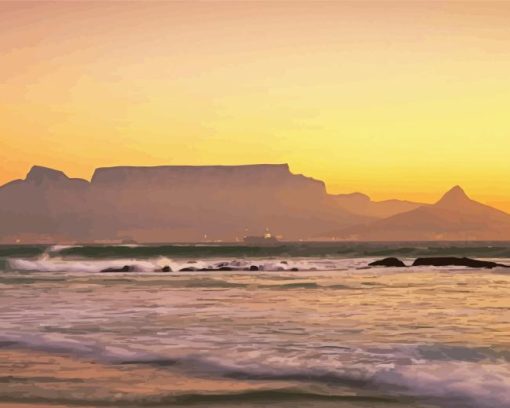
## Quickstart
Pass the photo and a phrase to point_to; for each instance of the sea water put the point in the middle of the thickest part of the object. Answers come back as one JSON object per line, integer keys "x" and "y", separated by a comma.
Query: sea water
{"x": 334, "y": 333}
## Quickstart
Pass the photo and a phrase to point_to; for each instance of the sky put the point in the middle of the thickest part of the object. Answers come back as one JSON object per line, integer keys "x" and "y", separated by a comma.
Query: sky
{"x": 393, "y": 99}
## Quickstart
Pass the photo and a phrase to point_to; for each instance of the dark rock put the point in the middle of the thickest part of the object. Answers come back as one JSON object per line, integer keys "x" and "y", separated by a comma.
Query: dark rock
{"x": 128, "y": 241}
{"x": 166, "y": 268}
{"x": 284, "y": 262}
{"x": 188, "y": 269}
{"x": 294, "y": 269}
{"x": 254, "y": 268}
{"x": 388, "y": 262}
{"x": 453, "y": 261}
{"x": 125, "y": 268}
{"x": 225, "y": 268}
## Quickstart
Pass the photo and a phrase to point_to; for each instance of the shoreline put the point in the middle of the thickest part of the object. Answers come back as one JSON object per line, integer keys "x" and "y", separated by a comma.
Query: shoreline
{"x": 41, "y": 377}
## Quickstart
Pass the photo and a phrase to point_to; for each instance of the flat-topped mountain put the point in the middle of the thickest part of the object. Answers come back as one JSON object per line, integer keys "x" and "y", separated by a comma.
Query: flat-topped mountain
{"x": 167, "y": 203}
{"x": 197, "y": 203}
{"x": 454, "y": 217}
{"x": 256, "y": 173}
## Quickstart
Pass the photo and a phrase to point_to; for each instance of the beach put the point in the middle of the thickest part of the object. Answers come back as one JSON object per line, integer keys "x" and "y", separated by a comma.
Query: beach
{"x": 337, "y": 334}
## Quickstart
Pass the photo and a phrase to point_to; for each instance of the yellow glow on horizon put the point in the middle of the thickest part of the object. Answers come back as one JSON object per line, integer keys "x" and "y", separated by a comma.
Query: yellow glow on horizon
{"x": 397, "y": 100}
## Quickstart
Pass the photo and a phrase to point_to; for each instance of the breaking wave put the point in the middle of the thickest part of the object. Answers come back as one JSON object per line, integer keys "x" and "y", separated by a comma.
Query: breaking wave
{"x": 453, "y": 381}
{"x": 47, "y": 263}
{"x": 284, "y": 249}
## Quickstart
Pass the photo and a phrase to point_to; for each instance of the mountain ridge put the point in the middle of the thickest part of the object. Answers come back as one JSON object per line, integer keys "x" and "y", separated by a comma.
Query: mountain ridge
{"x": 166, "y": 203}
{"x": 455, "y": 216}
{"x": 222, "y": 202}
{"x": 362, "y": 204}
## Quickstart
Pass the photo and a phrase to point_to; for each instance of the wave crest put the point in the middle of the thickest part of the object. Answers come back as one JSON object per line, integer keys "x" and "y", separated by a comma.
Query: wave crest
{"x": 465, "y": 383}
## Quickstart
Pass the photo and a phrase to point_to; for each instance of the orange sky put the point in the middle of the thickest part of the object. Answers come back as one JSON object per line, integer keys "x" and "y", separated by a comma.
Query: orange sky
{"x": 392, "y": 99}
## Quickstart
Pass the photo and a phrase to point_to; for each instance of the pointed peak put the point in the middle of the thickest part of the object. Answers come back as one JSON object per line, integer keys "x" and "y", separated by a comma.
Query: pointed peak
{"x": 38, "y": 174}
{"x": 454, "y": 196}
{"x": 456, "y": 191}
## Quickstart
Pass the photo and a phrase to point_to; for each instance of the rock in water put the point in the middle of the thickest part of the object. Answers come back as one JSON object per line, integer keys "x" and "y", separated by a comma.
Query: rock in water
{"x": 254, "y": 268}
{"x": 453, "y": 261}
{"x": 389, "y": 262}
{"x": 125, "y": 268}
{"x": 166, "y": 269}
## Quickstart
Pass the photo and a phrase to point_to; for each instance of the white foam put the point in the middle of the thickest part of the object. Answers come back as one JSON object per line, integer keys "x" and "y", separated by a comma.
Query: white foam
{"x": 477, "y": 385}
{"x": 484, "y": 385}
{"x": 58, "y": 248}
{"x": 466, "y": 384}
{"x": 46, "y": 263}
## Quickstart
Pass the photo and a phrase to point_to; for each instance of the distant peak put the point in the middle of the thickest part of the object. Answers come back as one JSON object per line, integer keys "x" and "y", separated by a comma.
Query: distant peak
{"x": 359, "y": 195}
{"x": 457, "y": 192}
{"x": 453, "y": 196}
{"x": 38, "y": 174}
{"x": 354, "y": 196}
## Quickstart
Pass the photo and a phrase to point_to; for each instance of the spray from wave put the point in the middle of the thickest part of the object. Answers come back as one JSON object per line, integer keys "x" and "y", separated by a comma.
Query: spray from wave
{"x": 47, "y": 263}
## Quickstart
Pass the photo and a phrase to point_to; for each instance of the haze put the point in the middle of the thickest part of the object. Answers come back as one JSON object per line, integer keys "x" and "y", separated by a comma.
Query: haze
{"x": 396, "y": 100}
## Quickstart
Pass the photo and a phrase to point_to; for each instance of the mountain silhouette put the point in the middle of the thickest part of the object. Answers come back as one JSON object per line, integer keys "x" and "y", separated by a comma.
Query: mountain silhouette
{"x": 196, "y": 203}
{"x": 167, "y": 203}
{"x": 454, "y": 217}
{"x": 455, "y": 196}
{"x": 361, "y": 204}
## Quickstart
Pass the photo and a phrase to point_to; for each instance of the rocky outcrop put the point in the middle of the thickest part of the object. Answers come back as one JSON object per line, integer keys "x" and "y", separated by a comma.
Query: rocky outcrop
{"x": 125, "y": 268}
{"x": 388, "y": 262}
{"x": 454, "y": 261}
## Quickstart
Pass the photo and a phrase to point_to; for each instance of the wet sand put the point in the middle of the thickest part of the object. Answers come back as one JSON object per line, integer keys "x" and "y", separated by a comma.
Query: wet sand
{"x": 33, "y": 378}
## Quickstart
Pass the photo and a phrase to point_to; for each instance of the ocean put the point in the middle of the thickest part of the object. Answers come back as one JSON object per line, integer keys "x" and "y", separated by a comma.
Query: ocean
{"x": 312, "y": 327}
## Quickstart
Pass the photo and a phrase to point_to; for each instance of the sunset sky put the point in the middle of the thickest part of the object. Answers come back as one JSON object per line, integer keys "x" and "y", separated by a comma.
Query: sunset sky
{"x": 394, "y": 99}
